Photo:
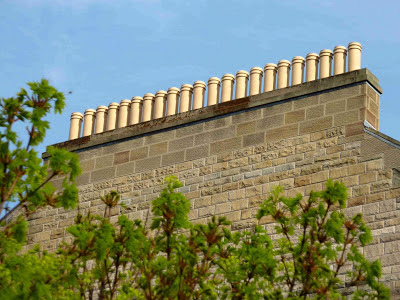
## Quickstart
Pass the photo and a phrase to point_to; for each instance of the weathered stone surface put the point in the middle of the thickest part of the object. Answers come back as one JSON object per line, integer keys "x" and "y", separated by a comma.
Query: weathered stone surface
{"x": 229, "y": 156}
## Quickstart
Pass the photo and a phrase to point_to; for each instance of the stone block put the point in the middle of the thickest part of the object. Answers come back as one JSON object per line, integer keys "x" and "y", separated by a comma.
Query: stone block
{"x": 305, "y": 102}
{"x": 392, "y": 247}
{"x": 350, "y": 181}
{"x": 357, "y": 169}
{"x": 139, "y": 153}
{"x": 315, "y": 125}
{"x": 315, "y": 112}
{"x": 240, "y": 204}
{"x": 43, "y": 236}
{"x": 275, "y": 109}
{"x": 319, "y": 177}
{"x": 343, "y": 92}
{"x": 348, "y": 117}
{"x": 211, "y": 191}
{"x": 82, "y": 179}
{"x": 87, "y": 165}
{"x": 197, "y": 152}
{"x": 253, "y": 139}
{"x": 253, "y": 191}
{"x": 302, "y": 181}
{"x": 214, "y": 135}
{"x": 207, "y": 211}
{"x": 202, "y": 202}
{"x": 356, "y": 102}
{"x": 295, "y": 116}
{"x": 217, "y": 123}
{"x": 287, "y": 151}
{"x": 244, "y": 117}
{"x": 338, "y": 173}
{"x": 284, "y": 167}
{"x": 226, "y": 156}
{"x": 148, "y": 163}
{"x": 380, "y": 185}
{"x": 354, "y": 129}
{"x": 368, "y": 177}
{"x": 374, "y": 165}
{"x": 335, "y": 107}
{"x": 180, "y": 144}
{"x": 104, "y": 161}
{"x": 190, "y": 129}
{"x": 311, "y": 169}
{"x": 235, "y": 195}
{"x": 121, "y": 157}
{"x": 270, "y": 122}
{"x": 256, "y": 201}
{"x": 281, "y": 133}
{"x": 122, "y": 146}
{"x": 287, "y": 183}
{"x": 241, "y": 225}
{"x": 371, "y": 209}
{"x": 159, "y": 137}
{"x": 173, "y": 158}
{"x": 335, "y": 149}
{"x": 316, "y": 136}
{"x": 225, "y": 145}
{"x": 222, "y": 208}
{"x": 387, "y": 206}
{"x": 219, "y": 198}
{"x": 360, "y": 190}
{"x": 164, "y": 171}
{"x": 230, "y": 186}
{"x": 374, "y": 250}
{"x": 160, "y": 148}
{"x": 252, "y": 174}
{"x": 125, "y": 169}
{"x": 184, "y": 166}
{"x": 102, "y": 174}
{"x": 246, "y": 128}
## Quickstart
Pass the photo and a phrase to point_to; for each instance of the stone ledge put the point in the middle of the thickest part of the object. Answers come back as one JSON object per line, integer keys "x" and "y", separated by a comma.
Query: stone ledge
{"x": 195, "y": 116}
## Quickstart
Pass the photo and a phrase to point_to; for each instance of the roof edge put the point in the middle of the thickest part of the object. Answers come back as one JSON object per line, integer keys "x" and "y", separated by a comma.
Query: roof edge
{"x": 251, "y": 102}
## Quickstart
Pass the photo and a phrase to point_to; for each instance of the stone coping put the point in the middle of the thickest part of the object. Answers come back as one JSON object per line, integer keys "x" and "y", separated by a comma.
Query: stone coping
{"x": 230, "y": 107}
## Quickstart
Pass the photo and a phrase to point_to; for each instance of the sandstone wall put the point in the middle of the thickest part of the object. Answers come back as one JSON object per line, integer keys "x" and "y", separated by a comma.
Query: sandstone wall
{"x": 228, "y": 158}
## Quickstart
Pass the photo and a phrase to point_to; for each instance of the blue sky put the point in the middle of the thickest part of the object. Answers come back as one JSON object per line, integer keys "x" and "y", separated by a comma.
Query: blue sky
{"x": 105, "y": 51}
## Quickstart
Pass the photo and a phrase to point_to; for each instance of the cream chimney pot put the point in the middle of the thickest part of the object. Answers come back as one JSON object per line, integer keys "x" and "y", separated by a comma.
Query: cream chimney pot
{"x": 283, "y": 73}
{"x": 242, "y": 79}
{"x": 136, "y": 107}
{"x": 297, "y": 70}
{"x": 256, "y": 74}
{"x": 339, "y": 60}
{"x": 325, "y": 67}
{"x": 312, "y": 60}
{"x": 101, "y": 112}
{"x": 75, "y": 125}
{"x": 122, "y": 120}
{"x": 186, "y": 97}
{"x": 172, "y": 101}
{"x": 148, "y": 100}
{"x": 214, "y": 84}
{"x": 227, "y": 87}
{"x": 198, "y": 94}
{"x": 88, "y": 122}
{"x": 112, "y": 116}
{"x": 354, "y": 56}
{"x": 159, "y": 104}
{"x": 270, "y": 77}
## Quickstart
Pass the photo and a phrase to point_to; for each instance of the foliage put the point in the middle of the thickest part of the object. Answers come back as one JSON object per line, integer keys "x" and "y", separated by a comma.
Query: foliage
{"x": 25, "y": 180}
{"x": 175, "y": 259}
